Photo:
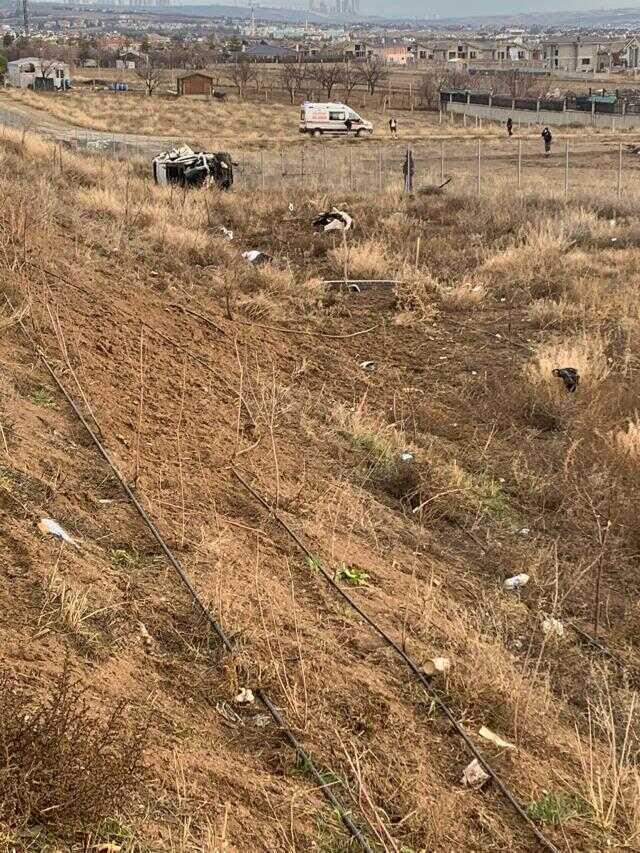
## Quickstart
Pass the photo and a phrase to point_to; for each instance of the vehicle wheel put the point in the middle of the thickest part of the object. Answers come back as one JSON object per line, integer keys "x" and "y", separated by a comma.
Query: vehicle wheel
{"x": 317, "y": 134}
{"x": 358, "y": 133}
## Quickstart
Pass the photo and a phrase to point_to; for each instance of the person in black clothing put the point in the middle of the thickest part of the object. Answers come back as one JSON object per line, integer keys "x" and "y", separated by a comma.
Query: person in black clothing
{"x": 510, "y": 126}
{"x": 548, "y": 138}
{"x": 348, "y": 124}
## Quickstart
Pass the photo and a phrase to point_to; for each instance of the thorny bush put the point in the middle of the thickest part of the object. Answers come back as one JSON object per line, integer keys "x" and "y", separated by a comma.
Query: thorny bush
{"x": 60, "y": 765}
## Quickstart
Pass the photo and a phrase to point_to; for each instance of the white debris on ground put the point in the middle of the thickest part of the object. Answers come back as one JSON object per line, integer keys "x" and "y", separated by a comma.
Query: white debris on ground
{"x": 474, "y": 775}
{"x": 487, "y": 734}
{"x": 48, "y": 525}
{"x": 435, "y": 665}
{"x": 244, "y": 697}
{"x": 550, "y": 625}
{"x": 516, "y": 581}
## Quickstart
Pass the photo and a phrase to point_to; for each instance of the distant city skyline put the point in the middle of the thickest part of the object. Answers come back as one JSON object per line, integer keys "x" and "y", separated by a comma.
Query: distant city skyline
{"x": 442, "y": 8}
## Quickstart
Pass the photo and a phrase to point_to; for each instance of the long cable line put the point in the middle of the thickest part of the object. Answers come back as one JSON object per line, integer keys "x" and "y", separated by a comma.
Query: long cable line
{"x": 409, "y": 661}
{"x": 345, "y": 817}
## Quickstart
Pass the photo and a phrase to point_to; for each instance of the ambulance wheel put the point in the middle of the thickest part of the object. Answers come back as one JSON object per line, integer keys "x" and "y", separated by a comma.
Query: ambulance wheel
{"x": 317, "y": 134}
{"x": 358, "y": 133}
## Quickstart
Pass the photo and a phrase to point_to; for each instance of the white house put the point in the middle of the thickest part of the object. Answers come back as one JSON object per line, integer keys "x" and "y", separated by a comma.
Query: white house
{"x": 40, "y": 74}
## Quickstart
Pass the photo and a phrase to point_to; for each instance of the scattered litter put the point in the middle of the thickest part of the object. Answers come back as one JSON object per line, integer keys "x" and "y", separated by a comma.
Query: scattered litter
{"x": 146, "y": 636}
{"x": 501, "y": 480}
{"x": 106, "y": 500}
{"x": 614, "y": 239}
{"x": 474, "y": 372}
{"x": 353, "y": 288}
{"x": 189, "y": 168}
{"x": 291, "y": 207}
{"x": 227, "y": 713}
{"x": 333, "y": 220}
{"x": 553, "y": 626}
{"x": 48, "y": 525}
{"x": 569, "y": 376}
{"x": 525, "y": 531}
{"x": 487, "y": 734}
{"x": 226, "y": 233}
{"x": 516, "y": 581}
{"x": 262, "y": 720}
{"x": 256, "y": 257}
{"x": 108, "y": 847}
{"x": 434, "y": 665}
{"x": 474, "y": 775}
{"x": 244, "y": 697}
{"x": 406, "y": 456}
{"x": 368, "y": 365}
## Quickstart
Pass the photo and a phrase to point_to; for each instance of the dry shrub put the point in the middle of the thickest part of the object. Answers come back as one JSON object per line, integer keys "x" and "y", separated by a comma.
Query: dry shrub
{"x": 627, "y": 441}
{"x": 61, "y": 765}
{"x": 416, "y": 293}
{"x": 534, "y": 265}
{"x": 585, "y": 352}
{"x": 176, "y": 239}
{"x": 463, "y": 296}
{"x": 368, "y": 259}
{"x": 553, "y": 313}
{"x": 101, "y": 202}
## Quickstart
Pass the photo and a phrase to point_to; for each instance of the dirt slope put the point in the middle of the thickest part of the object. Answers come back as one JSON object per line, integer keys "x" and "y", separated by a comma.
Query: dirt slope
{"x": 273, "y": 385}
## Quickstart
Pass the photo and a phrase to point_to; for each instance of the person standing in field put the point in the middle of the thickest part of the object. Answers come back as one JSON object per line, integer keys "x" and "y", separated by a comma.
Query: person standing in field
{"x": 548, "y": 139}
{"x": 393, "y": 127}
{"x": 510, "y": 126}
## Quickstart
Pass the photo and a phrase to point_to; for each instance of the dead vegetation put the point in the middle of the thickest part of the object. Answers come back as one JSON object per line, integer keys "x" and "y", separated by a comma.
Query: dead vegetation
{"x": 62, "y": 765}
{"x": 458, "y": 461}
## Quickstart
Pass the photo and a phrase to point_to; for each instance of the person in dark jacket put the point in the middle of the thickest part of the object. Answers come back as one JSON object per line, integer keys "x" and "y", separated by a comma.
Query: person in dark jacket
{"x": 510, "y": 126}
{"x": 548, "y": 139}
{"x": 348, "y": 124}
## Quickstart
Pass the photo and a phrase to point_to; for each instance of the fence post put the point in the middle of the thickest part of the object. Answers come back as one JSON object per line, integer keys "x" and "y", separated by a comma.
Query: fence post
{"x": 479, "y": 164}
{"x": 262, "y": 168}
{"x": 350, "y": 168}
{"x": 519, "y": 164}
{"x": 566, "y": 170}
{"x": 282, "y": 173}
{"x": 442, "y": 161}
{"x": 619, "y": 169}
{"x": 380, "y": 170}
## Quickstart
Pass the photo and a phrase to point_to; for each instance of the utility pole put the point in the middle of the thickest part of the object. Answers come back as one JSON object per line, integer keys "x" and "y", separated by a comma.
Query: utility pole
{"x": 22, "y": 11}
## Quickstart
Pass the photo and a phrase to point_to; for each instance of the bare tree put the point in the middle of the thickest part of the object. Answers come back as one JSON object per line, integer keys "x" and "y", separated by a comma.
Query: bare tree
{"x": 241, "y": 73}
{"x": 292, "y": 77}
{"x": 351, "y": 78}
{"x": 519, "y": 84}
{"x": 373, "y": 72}
{"x": 328, "y": 76}
{"x": 151, "y": 74}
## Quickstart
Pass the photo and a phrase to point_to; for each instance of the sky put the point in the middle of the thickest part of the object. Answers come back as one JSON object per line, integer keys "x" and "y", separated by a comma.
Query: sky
{"x": 422, "y": 9}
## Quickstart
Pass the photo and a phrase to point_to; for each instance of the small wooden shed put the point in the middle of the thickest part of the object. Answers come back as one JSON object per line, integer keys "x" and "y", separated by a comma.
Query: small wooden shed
{"x": 195, "y": 83}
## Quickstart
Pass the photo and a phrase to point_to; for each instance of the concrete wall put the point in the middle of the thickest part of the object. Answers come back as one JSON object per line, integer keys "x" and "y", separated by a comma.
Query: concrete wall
{"x": 550, "y": 117}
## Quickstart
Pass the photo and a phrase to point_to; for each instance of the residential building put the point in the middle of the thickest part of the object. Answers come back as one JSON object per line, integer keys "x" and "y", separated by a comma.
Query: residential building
{"x": 35, "y": 73}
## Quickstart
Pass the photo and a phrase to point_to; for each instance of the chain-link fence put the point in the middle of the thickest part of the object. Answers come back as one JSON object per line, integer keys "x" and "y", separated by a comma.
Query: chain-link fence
{"x": 474, "y": 166}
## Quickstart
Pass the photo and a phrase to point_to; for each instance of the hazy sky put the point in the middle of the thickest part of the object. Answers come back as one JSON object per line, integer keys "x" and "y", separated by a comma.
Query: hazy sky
{"x": 443, "y": 8}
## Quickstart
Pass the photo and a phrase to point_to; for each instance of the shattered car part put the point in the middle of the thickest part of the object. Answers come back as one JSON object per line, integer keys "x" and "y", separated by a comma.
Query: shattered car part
{"x": 569, "y": 376}
{"x": 474, "y": 775}
{"x": 188, "y": 168}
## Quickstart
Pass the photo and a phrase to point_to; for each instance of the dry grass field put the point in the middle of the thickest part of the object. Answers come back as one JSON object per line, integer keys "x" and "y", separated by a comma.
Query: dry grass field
{"x": 234, "y": 123}
{"x": 190, "y": 363}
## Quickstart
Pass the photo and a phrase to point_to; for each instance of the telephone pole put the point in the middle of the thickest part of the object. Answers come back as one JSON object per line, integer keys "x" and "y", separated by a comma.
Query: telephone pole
{"x": 22, "y": 11}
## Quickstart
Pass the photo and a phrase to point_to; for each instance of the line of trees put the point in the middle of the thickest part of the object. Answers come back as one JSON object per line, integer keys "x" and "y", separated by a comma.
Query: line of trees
{"x": 302, "y": 77}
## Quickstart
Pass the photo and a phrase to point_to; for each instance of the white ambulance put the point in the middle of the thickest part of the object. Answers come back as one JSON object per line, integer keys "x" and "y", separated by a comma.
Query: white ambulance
{"x": 319, "y": 119}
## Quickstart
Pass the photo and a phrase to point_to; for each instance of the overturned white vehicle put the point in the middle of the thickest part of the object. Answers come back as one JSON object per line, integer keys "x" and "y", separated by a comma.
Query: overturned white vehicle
{"x": 188, "y": 168}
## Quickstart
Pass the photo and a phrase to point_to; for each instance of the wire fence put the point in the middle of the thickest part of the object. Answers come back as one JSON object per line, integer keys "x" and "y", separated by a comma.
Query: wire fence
{"x": 475, "y": 166}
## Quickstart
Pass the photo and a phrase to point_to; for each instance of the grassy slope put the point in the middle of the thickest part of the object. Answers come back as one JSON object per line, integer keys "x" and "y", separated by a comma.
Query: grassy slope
{"x": 498, "y": 446}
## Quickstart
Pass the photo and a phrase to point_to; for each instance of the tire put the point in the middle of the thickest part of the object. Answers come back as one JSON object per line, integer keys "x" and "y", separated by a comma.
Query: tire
{"x": 316, "y": 133}
{"x": 358, "y": 134}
